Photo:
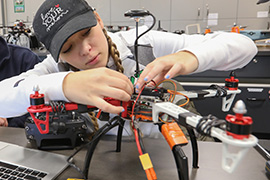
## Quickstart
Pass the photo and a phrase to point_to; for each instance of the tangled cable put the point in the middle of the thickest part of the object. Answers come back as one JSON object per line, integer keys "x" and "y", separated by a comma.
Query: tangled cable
{"x": 207, "y": 122}
{"x": 58, "y": 106}
{"x": 221, "y": 92}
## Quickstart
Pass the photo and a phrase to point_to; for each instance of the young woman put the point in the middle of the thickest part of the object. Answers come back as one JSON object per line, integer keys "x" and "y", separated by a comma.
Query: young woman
{"x": 87, "y": 63}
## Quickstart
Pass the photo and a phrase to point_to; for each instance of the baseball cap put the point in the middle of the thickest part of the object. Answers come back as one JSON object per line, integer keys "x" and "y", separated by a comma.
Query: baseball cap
{"x": 57, "y": 20}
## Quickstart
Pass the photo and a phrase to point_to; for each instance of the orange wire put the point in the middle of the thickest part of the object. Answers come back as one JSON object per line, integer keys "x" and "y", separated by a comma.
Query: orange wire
{"x": 175, "y": 92}
{"x": 175, "y": 87}
{"x": 166, "y": 122}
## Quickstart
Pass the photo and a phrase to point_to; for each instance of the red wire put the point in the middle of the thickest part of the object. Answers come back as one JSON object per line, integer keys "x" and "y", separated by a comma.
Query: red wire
{"x": 150, "y": 173}
{"x": 134, "y": 129}
{"x": 98, "y": 114}
{"x": 137, "y": 141}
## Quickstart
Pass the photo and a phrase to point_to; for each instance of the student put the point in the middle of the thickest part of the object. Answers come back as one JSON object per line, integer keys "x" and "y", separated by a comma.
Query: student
{"x": 87, "y": 63}
{"x": 14, "y": 60}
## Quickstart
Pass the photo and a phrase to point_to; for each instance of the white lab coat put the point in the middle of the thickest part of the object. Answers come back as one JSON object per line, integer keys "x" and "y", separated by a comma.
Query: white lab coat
{"x": 217, "y": 51}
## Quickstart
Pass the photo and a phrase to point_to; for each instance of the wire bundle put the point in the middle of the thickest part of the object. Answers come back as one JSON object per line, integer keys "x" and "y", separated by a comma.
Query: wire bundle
{"x": 57, "y": 106}
{"x": 221, "y": 92}
{"x": 207, "y": 122}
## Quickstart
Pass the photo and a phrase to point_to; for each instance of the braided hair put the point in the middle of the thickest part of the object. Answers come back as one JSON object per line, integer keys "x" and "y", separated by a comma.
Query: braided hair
{"x": 114, "y": 53}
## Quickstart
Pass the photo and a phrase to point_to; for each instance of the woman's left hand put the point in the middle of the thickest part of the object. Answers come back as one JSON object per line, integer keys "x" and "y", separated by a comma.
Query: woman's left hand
{"x": 167, "y": 67}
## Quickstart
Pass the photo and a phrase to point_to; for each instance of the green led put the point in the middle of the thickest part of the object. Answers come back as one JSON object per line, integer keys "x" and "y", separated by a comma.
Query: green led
{"x": 132, "y": 79}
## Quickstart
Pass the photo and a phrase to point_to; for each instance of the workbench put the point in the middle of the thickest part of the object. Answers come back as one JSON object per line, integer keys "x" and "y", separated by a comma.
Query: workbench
{"x": 111, "y": 165}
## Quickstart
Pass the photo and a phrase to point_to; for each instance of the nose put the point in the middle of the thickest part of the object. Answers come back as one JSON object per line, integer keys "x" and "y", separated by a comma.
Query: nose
{"x": 85, "y": 48}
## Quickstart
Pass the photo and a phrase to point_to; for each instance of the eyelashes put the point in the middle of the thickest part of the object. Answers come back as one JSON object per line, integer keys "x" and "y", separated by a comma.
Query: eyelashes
{"x": 87, "y": 32}
{"x": 68, "y": 50}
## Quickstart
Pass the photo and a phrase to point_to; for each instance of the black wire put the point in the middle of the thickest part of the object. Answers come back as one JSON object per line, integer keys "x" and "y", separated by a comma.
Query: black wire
{"x": 207, "y": 122}
{"x": 58, "y": 106}
{"x": 221, "y": 92}
{"x": 140, "y": 141}
{"x": 137, "y": 73}
{"x": 154, "y": 82}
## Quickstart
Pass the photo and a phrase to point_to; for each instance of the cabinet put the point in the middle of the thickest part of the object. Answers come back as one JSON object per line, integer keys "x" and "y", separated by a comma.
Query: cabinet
{"x": 118, "y": 8}
{"x": 225, "y": 10}
{"x": 249, "y": 9}
{"x": 187, "y": 10}
{"x": 159, "y": 8}
{"x": 197, "y": 11}
{"x": 177, "y": 14}
{"x": 173, "y": 14}
{"x": 248, "y": 14}
{"x": 103, "y": 8}
{"x": 254, "y": 82}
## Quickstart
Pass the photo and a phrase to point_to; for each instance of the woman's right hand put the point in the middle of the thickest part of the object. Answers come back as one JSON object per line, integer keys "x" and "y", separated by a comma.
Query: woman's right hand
{"x": 90, "y": 87}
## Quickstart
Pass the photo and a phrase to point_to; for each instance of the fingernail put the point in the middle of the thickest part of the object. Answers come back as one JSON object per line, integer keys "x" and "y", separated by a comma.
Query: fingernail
{"x": 146, "y": 79}
{"x": 137, "y": 86}
{"x": 137, "y": 91}
{"x": 123, "y": 110}
{"x": 167, "y": 76}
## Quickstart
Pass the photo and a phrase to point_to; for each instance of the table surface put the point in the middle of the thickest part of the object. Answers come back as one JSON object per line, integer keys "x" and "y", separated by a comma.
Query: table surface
{"x": 108, "y": 164}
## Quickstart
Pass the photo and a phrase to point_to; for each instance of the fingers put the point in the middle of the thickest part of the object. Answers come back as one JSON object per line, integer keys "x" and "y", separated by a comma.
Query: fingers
{"x": 116, "y": 93}
{"x": 148, "y": 74}
{"x": 115, "y": 85}
{"x": 118, "y": 83}
{"x": 153, "y": 72}
{"x": 174, "y": 70}
{"x": 3, "y": 122}
{"x": 112, "y": 92}
{"x": 156, "y": 71}
{"x": 107, "y": 107}
{"x": 89, "y": 87}
{"x": 166, "y": 67}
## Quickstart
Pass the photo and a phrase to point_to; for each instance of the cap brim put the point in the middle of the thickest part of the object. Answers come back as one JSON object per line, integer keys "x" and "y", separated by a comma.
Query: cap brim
{"x": 76, "y": 24}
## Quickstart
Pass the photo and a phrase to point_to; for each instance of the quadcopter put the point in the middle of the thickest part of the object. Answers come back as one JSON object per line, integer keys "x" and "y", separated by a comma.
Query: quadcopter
{"x": 15, "y": 32}
{"x": 151, "y": 104}
{"x": 67, "y": 120}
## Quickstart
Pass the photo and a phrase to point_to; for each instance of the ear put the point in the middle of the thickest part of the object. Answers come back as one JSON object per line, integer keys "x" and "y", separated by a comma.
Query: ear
{"x": 99, "y": 20}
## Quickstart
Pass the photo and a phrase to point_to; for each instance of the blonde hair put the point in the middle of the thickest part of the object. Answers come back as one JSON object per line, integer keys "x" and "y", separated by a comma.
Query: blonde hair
{"x": 114, "y": 53}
